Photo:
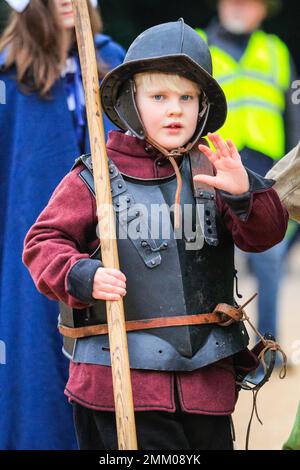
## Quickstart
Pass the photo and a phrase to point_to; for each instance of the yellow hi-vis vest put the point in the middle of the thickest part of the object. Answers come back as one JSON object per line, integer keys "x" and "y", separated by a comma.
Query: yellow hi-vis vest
{"x": 255, "y": 88}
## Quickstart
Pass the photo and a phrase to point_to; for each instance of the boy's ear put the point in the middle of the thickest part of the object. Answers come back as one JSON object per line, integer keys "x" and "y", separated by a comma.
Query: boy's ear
{"x": 203, "y": 106}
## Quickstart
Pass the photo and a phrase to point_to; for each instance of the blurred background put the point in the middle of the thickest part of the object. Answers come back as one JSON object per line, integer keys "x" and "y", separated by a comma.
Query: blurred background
{"x": 125, "y": 19}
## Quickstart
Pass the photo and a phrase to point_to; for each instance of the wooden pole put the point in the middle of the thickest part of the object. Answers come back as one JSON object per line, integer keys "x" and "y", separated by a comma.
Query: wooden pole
{"x": 115, "y": 312}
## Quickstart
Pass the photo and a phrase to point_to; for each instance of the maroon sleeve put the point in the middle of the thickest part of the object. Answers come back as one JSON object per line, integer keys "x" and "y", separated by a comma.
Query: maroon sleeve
{"x": 59, "y": 238}
{"x": 264, "y": 226}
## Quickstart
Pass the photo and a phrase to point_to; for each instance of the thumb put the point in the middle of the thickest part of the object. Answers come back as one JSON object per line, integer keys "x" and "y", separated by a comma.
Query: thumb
{"x": 210, "y": 180}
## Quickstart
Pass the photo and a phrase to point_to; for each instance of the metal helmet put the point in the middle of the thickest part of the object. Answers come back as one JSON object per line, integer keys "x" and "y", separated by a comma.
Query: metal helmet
{"x": 169, "y": 48}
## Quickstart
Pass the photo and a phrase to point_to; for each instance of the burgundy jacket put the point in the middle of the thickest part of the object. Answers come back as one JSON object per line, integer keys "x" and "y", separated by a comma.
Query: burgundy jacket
{"x": 64, "y": 234}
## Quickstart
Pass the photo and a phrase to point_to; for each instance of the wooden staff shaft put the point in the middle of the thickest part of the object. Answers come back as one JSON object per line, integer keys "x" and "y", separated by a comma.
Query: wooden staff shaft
{"x": 115, "y": 311}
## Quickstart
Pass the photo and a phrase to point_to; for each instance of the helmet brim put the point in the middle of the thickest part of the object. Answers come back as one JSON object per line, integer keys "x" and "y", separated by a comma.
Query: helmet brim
{"x": 180, "y": 64}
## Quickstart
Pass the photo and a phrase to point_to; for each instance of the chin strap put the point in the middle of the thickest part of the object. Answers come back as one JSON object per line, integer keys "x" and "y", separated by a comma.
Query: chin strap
{"x": 171, "y": 157}
{"x": 178, "y": 152}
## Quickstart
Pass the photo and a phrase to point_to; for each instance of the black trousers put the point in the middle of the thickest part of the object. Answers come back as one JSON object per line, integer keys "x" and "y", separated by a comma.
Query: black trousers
{"x": 156, "y": 430}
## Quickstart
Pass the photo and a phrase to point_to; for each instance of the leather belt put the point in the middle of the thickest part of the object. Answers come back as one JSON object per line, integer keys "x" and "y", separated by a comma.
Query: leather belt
{"x": 223, "y": 315}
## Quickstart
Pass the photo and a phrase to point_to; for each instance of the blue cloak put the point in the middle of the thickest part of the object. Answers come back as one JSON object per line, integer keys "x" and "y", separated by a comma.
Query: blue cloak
{"x": 38, "y": 146}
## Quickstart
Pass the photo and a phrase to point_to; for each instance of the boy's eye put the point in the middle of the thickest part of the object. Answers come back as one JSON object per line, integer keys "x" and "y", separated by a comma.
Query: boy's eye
{"x": 158, "y": 97}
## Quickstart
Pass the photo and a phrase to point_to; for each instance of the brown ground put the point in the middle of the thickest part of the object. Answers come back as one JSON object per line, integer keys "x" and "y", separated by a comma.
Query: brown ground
{"x": 278, "y": 399}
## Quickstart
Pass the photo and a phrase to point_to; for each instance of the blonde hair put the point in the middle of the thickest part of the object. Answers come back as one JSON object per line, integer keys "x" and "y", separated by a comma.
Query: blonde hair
{"x": 171, "y": 81}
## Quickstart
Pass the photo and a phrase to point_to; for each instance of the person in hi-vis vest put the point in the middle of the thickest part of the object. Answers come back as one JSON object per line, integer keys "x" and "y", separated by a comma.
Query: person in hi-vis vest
{"x": 255, "y": 71}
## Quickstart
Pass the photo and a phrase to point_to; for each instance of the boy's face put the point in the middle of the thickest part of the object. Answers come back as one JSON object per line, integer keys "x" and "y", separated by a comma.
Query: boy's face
{"x": 169, "y": 117}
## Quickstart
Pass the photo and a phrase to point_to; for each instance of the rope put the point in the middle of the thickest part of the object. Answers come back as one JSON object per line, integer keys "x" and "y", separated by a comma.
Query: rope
{"x": 269, "y": 345}
{"x": 171, "y": 157}
{"x": 177, "y": 195}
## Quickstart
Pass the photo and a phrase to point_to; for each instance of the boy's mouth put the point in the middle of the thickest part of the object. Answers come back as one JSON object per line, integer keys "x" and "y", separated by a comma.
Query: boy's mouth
{"x": 174, "y": 125}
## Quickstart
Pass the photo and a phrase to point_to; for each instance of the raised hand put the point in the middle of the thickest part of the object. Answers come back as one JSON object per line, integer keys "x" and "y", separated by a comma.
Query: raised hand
{"x": 231, "y": 175}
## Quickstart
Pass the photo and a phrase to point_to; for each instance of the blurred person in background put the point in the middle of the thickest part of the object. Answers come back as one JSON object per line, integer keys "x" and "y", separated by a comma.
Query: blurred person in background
{"x": 255, "y": 71}
{"x": 286, "y": 173}
{"x": 43, "y": 127}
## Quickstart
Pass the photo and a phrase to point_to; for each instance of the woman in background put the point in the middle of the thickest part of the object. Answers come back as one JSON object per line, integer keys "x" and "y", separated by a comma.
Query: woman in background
{"x": 42, "y": 126}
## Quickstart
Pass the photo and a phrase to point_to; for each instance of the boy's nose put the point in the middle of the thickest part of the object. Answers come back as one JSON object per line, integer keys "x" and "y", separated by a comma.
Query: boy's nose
{"x": 174, "y": 108}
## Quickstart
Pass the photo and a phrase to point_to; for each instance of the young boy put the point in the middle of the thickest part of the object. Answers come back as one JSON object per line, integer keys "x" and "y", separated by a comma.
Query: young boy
{"x": 183, "y": 377}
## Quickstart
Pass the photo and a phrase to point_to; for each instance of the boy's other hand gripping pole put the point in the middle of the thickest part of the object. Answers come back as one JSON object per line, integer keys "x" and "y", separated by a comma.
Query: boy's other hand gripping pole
{"x": 115, "y": 311}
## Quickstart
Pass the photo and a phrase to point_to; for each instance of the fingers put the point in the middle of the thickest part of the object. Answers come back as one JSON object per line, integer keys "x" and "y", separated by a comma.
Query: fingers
{"x": 115, "y": 273}
{"x": 108, "y": 291}
{"x": 208, "y": 153}
{"x": 113, "y": 289}
{"x": 111, "y": 280}
{"x": 210, "y": 180}
{"x": 109, "y": 284}
{"x": 223, "y": 149}
{"x": 220, "y": 145}
{"x": 110, "y": 276}
{"x": 234, "y": 151}
{"x": 100, "y": 295}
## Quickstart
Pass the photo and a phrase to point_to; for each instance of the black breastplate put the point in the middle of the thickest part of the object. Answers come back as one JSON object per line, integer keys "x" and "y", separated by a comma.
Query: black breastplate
{"x": 167, "y": 276}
